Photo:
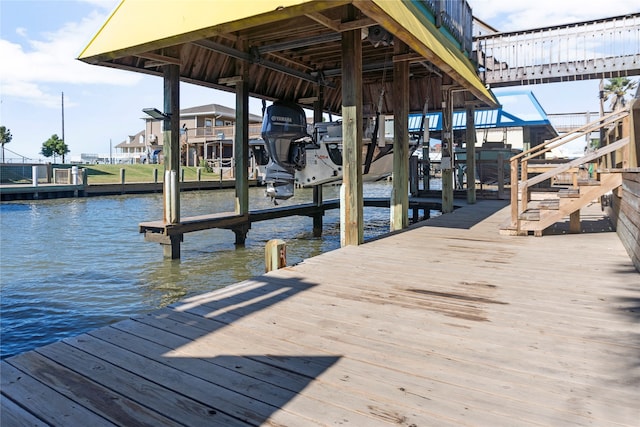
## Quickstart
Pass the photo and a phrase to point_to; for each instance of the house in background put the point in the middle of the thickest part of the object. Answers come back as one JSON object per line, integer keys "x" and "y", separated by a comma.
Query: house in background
{"x": 207, "y": 134}
{"x": 132, "y": 150}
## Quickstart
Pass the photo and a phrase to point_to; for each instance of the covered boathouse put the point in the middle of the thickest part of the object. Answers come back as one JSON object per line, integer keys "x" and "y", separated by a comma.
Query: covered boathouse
{"x": 351, "y": 58}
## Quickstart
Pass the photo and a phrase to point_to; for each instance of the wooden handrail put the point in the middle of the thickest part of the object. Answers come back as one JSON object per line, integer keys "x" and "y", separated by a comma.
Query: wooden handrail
{"x": 588, "y": 128}
{"x": 577, "y": 162}
{"x": 522, "y": 186}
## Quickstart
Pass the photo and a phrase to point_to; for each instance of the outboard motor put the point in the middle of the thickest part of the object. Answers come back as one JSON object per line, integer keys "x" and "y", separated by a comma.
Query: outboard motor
{"x": 284, "y": 130}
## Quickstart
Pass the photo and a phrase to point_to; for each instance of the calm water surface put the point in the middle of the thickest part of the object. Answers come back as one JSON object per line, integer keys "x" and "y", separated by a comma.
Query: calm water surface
{"x": 71, "y": 265}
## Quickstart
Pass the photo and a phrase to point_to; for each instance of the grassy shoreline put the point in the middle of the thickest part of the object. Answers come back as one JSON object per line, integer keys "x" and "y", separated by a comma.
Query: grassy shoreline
{"x": 110, "y": 174}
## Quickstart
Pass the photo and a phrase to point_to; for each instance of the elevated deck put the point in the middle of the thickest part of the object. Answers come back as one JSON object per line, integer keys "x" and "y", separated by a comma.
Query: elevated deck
{"x": 447, "y": 324}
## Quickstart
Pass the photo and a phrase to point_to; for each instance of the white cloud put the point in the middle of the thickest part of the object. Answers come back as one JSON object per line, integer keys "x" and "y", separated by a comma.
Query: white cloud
{"x": 510, "y": 15}
{"x": 51, "y": 59}
{"x": 105, "y": 4}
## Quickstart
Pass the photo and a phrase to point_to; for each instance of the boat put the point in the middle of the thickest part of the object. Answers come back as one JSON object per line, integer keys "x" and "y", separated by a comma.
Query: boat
{"x": 293, "y": 156}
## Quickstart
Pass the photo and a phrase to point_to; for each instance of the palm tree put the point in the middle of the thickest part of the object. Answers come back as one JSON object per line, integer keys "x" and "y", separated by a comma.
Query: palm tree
{"x": 617, "y": 89}
{"x": 5, "y": 138}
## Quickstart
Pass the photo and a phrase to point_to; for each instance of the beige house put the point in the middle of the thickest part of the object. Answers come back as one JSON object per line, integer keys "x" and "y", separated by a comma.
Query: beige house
{"x": 132, "y": 150}
{"x": 207, "y": 133}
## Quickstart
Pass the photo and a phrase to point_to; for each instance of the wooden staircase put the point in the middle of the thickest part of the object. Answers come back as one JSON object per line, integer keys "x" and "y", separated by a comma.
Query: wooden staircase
{"x": 538, "y": 200}
{"x": 568, "y": 201}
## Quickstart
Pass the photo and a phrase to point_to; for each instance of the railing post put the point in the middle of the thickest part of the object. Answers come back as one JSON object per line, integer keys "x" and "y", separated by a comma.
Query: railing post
{"x": 500, "y": 176}
{"x": 524, "y": 199}
{"x": 514, "y": 193}
{"x": 524, "y": 173}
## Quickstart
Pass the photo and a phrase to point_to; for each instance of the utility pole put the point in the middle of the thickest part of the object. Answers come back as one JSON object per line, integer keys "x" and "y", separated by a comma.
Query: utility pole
{"x": 63, "y": 140}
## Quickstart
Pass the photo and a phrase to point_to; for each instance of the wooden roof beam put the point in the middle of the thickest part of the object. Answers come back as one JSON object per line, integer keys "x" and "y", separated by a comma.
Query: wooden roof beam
{"x": 159, "y": 59}
{"x": 332, "y": 24}
{"x": 339, "y": 27}
{"x": 254, "y": 58}
{"x": 303, "y": 42}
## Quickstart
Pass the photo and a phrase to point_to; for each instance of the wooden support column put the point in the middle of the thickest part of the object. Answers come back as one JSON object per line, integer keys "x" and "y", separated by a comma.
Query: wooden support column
{"x": 241, "y": 146}
{"x": 470, "y": 138}
{"x": 400, "y": 193}
{"x": 241, "y": 143}
{"x": 447, "y": 151}
{"x": 317, "y": 189}
{"x": 574, "y": 222}
{"x": 351, "y": 202}
{"x": 171, "y": 148}
{"x": 317, "y": 218}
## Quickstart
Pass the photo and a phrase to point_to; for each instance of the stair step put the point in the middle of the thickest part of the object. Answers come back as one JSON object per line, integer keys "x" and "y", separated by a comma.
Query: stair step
{"x": 549, "y": 204}
{"x": 530, "y": 215}
{"x": 569, "y": 193}
{"x": 586, "y": 182}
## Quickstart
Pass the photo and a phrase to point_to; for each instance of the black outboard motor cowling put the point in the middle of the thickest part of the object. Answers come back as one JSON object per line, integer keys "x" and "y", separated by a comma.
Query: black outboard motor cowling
{"x": 284, "y": 130}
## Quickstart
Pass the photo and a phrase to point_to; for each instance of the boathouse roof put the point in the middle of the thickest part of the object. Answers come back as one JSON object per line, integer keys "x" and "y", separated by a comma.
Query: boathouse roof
{"x": 293, "y": 47}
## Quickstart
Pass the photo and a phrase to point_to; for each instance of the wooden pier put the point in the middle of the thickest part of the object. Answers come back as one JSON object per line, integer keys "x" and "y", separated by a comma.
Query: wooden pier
{"x": 161, "y": 232}
{"x": 448, "y": 323}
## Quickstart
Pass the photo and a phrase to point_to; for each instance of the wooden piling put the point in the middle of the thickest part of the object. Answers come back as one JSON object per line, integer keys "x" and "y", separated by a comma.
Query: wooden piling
{"x": 399, "y": 213}
{"x": 447, "y": 151}
{"x": 351, "y": 199}
{"x": 172, "y": 154}
{"x": 470, "y": 138}
{"x": 275, "y": 255}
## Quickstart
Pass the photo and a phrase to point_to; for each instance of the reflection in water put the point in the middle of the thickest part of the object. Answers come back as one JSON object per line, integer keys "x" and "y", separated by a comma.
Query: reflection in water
{"x": 72, "y": 265}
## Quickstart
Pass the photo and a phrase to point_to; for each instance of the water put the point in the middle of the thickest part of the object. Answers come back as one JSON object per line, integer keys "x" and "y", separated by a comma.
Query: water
{"x": 71, "y": 265}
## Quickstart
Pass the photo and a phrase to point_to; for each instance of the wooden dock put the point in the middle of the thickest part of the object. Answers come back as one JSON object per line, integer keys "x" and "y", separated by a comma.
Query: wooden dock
{"x": 159, "y": 231}
{"x": 446, "y": 324}
{"x": 10, "y": 192}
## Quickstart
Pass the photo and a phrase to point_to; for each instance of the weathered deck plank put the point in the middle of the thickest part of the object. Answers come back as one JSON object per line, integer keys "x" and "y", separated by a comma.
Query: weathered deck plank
{"x": 446, "y": 324}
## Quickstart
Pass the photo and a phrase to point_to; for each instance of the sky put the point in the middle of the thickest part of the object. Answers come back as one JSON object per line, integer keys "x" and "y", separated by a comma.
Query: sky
{"x": 41, "y": 39}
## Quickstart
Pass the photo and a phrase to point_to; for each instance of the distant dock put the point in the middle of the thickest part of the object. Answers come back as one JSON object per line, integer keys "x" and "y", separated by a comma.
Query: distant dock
{"x": 55, "y": 191}
{"x": 448, "y": 323}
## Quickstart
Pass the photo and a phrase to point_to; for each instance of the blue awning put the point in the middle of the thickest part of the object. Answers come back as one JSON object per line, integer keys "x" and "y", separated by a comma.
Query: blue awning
{"x": 517, "y": 109}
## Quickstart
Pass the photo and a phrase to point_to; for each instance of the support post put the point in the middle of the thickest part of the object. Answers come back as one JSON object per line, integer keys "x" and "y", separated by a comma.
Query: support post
{"x": 317, "y": 217}
{"x": 241, "y": 143}
{"x": 400, "y": 193}
{"x": 514, "y": 193}
{"x": 574, "y": 222}
{"x": 470, "y": 138}
{"x": 447, "y": 151}
{"x": 241, "y": 233}
{"x": 171, "y": 147}
{"x": 317, "y": 189}
{"x": 500, "y": 176}
{"x": 351, "y": 201}
{"x": 426, "y": 148}
{"x": 275, "y": 255}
